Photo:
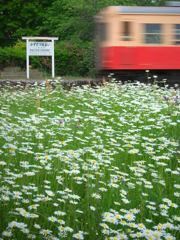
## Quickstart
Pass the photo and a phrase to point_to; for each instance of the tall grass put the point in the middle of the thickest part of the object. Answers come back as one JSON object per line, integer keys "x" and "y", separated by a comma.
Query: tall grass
{"x": 90, "y": 163}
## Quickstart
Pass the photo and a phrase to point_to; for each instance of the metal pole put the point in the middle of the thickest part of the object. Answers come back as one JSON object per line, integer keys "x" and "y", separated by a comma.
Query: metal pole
{"x": 52, "y": 58}
{"x": 27, "y": 57}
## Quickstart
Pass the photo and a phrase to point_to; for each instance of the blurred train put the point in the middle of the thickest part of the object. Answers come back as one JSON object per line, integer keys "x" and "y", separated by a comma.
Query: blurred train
{"x": 139, "y": 38}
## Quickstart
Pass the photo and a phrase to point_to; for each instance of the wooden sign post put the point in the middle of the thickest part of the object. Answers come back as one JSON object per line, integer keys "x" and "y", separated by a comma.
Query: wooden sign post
{"x": 40, "y": 48}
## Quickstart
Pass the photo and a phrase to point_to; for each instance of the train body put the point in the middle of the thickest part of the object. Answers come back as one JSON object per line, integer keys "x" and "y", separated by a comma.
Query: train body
{"x": 139, "y": 38}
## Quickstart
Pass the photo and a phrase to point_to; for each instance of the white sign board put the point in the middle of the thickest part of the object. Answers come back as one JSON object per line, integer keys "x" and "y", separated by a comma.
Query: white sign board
{"x": 40, "y": 48}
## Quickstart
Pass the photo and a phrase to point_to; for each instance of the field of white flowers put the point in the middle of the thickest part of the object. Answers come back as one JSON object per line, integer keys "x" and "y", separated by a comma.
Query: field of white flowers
{"x": 90, "y": 163}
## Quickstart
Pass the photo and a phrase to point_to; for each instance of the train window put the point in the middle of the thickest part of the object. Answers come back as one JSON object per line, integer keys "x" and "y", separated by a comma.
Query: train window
{"x": 126, "y": 31}
{"x": 102, "y": 32}
{"x": 152, "y": 33}
{"x": 177, "y": 34}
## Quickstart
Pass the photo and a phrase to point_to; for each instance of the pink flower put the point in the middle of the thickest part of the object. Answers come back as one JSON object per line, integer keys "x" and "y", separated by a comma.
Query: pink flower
{"x": 176, "y": 100}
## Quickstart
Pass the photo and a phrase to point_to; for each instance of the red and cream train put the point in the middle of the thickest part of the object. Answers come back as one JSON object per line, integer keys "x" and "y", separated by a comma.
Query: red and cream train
{"x": 139, "y": 38}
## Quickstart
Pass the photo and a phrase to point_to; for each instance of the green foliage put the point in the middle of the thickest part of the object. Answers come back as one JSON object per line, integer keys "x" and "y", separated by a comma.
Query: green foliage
{"x": 12, "y": 57}
{"x": 16, "y": 56}
{"x": 87, "y": 67}
{"x": 21, "y": 45}
{"x": 35, "y": 61}
{"x": 67, "y": 57}
{"x": 70, "y": 19}
{"x": 21, "y": 18}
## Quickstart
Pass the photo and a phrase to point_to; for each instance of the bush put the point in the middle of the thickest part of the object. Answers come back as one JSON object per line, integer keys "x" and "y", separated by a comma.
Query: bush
{"x": 10, "y": 57}
{"x": 87, "y": 67}
{"x": 67, "y": 57}
{"x": 20, "y": 45}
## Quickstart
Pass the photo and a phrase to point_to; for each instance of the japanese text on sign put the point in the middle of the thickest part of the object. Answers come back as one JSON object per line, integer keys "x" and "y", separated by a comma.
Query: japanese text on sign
{"x": 40, "y": 48}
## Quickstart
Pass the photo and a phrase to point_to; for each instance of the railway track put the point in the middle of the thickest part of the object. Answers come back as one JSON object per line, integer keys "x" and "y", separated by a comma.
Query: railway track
{"x": 67, "y": 83}
{"x": 162, "y": 78}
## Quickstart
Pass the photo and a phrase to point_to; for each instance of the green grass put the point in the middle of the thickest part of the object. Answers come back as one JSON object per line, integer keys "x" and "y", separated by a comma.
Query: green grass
{"x": 90, "y": 163}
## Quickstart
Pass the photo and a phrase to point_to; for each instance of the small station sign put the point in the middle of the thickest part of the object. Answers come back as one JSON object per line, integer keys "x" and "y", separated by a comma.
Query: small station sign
{"x": 39, "y": 48}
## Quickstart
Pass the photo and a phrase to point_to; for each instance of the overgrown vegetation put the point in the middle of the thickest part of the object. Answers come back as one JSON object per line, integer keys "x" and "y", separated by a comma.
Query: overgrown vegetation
{"x": 90, "y": 163}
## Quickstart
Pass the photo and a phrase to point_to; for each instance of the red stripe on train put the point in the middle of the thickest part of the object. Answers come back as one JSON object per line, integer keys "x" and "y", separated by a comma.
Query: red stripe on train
{"x": 144, "y": 57}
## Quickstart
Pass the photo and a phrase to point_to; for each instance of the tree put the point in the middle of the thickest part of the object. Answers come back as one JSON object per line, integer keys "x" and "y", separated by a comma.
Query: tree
{"x": 21, "y": 18}
{"x": 69, "y": 19}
